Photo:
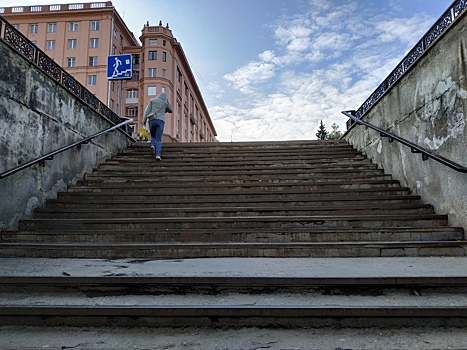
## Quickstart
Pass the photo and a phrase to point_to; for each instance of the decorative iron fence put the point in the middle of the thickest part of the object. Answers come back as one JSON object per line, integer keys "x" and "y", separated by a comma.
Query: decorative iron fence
{"x": 31, "y": 52}
{"x": 445, "y": 21}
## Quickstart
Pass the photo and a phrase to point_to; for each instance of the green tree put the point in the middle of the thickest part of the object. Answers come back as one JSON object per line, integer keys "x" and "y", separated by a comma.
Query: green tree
{"x": 335, "y": 133}
{"x": 322, "y": 134}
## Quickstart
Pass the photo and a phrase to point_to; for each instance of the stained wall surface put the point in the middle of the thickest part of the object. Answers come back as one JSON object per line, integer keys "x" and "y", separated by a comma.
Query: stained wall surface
{"x": 38, "y": 116}
{"x": 428, "y": 107}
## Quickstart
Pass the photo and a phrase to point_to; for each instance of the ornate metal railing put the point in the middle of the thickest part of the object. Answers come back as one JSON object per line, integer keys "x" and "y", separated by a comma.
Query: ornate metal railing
{"x": 31, "y": 52}
{"x": 439, "y": 28}
{"x": 49, "y": 156}
{"x": 426, "y": 154}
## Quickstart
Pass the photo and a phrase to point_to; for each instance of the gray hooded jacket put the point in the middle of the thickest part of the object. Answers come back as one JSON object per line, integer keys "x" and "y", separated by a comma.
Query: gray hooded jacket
{"x": 157, "y": 107}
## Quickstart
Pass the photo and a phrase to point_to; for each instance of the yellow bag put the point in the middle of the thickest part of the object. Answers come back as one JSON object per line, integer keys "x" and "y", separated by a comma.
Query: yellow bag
{"x": 143, "y": 134}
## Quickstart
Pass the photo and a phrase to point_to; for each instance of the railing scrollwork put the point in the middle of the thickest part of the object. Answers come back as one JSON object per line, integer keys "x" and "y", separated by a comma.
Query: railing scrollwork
{"x": 31, "y": 52}
{"x": 420, "y": 48}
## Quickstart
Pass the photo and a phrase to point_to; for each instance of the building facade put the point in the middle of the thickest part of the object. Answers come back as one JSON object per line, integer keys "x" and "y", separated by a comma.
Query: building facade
{"x": 80, "y": 37}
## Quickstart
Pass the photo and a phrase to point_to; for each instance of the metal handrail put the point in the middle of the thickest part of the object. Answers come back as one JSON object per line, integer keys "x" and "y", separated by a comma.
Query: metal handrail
{"x": 49, "y": 156}
{"x": 414, "y": 148}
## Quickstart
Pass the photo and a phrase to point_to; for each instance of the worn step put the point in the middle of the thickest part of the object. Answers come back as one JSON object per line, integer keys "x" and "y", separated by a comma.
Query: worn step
{"x": 246, "y": 193}
{"x": 252, "y": 166}
{"x": 318, "y": 292}
{"x": 232, "y": 178}
{"x": 245, "y": 147}
{"x": 319, "y": 173}
{"x": 223, "y": 211}
{"x": 289, "y": 235}
{"x": 219, "y": 250}
{"x": 257, "y": 160}
{"x": 291, "y": 201}
{"x": 137, "y": 312}
{"x": 304, "y": 186}
{"x": 334, "y": 221}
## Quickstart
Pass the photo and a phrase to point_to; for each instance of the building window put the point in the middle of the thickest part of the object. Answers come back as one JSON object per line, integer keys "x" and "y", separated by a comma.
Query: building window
{"x": 50, "y": 44}
{"x": 72, "y": 43}
{"x": 73, "y": 27}
{"x": 164, "y": 42}
{"x": 152, "y": 55}
{"x": 179, "y": 76}
{"x": 163, "y": 73}
{"x": 131, "y": 111}
{"x": 135, "y": 60}
{"x": 92, "y": 61}
{"x": 152, "y": 72}
{"x": 132, "y": 93}
{"x": 16, "y": 26}
{"x": 152, "y": 42}
{"x": 34, "y": 28}
{"x": 135, "y": 76}
{"x": 164, "y": 56}
{"x": 163, "y": 90}
{"x": 94, "y": 43}
{"x": 114, "y": 49}
{"x": 51, "y": 27}
{"x": 115, "y": 33}
{"x": 92, "y": 79}
{"x": 71, "y": 62}
{"x": 95, "y": 25}
{"x": 151, "y": 90}
{"x": 112, "y": 103}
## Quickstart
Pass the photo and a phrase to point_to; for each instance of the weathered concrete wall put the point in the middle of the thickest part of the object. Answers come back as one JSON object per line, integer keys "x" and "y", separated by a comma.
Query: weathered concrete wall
{"x": 428, "y": 107}
{"x": 38, "y": 116}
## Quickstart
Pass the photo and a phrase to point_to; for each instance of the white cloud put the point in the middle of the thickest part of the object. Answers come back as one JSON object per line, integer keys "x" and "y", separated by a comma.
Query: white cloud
{"x": 267, "y": 56}
{"x": 324, "y": 61}
{"x": 405, "y": 30}
{"x": 252, "y": 73}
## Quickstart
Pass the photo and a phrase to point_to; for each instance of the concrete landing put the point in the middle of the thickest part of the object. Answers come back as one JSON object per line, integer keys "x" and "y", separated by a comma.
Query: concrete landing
{"x": 430, "y": 267}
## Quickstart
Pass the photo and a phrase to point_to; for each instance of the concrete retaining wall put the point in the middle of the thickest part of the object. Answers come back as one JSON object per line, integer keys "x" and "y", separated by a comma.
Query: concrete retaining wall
{"x": 38, "y": 116}
{"x": 428, "y": 107}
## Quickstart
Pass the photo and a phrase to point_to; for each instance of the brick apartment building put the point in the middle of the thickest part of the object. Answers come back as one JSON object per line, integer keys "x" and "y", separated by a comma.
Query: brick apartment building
{"x": 80, "y": 37}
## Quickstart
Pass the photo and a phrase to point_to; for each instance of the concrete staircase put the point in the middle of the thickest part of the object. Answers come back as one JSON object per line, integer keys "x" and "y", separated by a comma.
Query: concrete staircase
{"x": 270, "y": 233}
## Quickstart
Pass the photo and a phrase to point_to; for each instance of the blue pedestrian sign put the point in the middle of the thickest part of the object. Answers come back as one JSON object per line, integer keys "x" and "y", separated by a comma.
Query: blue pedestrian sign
{"x": 119, "y": 67}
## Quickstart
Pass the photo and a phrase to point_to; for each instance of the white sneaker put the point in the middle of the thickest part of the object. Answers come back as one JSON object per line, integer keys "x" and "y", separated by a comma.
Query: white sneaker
{"x": 158, "y": 157}
{"x": 153, "y": 149}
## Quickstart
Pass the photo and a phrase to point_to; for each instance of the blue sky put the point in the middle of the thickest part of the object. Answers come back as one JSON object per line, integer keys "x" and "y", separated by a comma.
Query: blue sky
{"x": 272, "y": 69}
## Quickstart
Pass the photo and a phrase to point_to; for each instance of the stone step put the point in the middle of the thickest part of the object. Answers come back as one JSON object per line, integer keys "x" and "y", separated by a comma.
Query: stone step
{"x": 162, "y": 223}
{"x": 242, "y": 249}
{"x": 289, "y": 235}
{"x": 257, "y": 159}
{"x": 234, "y": 292}
{"x": 319, "y": 172}
{"x": 223, "y": 211}
{"x": 291, "y": 201}
{"x": 251, "y": 150}
{"x": 246, "y": 193}
{"x": 242, "y": 147}
{"x": 238, "y": 165}
{"x": 245, "y": 311}
{"x": 185, "y": 186}
{"x": 232, "y": 178}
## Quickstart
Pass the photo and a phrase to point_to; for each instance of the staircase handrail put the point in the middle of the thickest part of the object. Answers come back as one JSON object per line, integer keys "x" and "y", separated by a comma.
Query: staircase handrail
{"x": 49, "y": 156}
{"x": 426, "y": 154}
